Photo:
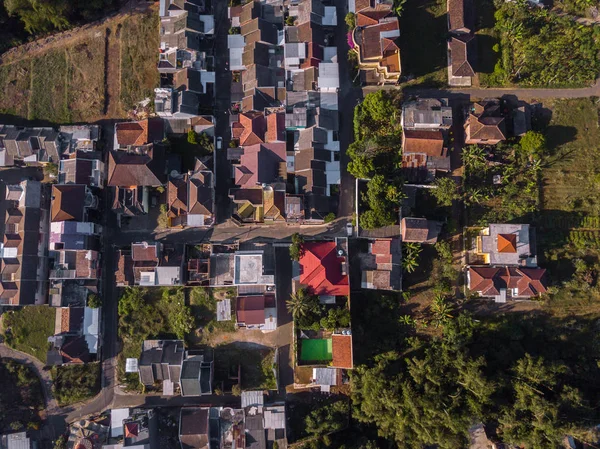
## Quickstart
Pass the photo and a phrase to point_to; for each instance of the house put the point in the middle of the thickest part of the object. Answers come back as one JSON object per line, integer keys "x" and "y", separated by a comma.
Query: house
{"x": 65, "y": 292}
{"x": 381, "y": 266}
{"x": 420, "y": 230}
{"x": 460, "y": 16}
{"x": 254, "y": 127}
{"x": 374, "y": 39}
{"x": 485, "y": 124}
{"x": 194, "y": 429}
{"x": 161, "y": 361}
{"x": 259, "y": 204}
{"x": 323, "y": 269}
{"x": 150, "y": 264}
{"x": 74, "y": 235}
{"x": 325, "y": 378}
{"x": 507, "y": 244}
{"x": 249, "y": 265}
{"x": 521, "y": 119}
{"x": 137, "y": 134}
{"x": 18, "y": 440}
{"x": 314, "y": 11}
{"x": 501, "y": 283}
{"x": 424, "y": 154}
{"x": 71, "y": 202}
{"x": 140, "y": 429}
{"x": 341, "y": 350}
{"x": 82, "y": 167}
{"x": 23, "y": 264}
{"x": 265, "y": 424}
{"x": 74, "y": 264}
{"x": 257, "y": 312}
{"x": 130, "y": 173}
{"x": 260, "y": 164}
{"x": 79, "y": 138}
{"x": 191, "y": 198}
{"x": 28, "y": 145}
{"x": 426, "y": 114}
{"x": 196, "y": 375}
{"x": 461, "y": 56}
{"x": 76, "y": 335}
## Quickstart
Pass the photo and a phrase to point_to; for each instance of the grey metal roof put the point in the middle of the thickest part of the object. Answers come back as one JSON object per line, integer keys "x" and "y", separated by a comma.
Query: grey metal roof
{"x": 325, "y": 376}
{"x": 252, "y": 398}
{"x": 274, "y": 417}
{"x": 16, "y": 441}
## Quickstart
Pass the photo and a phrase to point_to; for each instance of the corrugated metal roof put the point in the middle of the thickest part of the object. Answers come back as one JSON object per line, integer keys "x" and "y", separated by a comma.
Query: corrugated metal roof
{"x": 250, "y": 398}
{"x": 274, "y": 417}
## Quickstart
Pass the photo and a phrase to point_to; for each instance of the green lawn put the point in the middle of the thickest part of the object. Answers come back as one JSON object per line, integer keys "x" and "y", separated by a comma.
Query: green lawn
{"x": 28, "y": 329}
{"x": 75, "y": 383}
{"x": 49, "y": 88}
{"x": 316, "y": 350}
{"x": 139, "y": 46}
{"x": 423, "y": 26}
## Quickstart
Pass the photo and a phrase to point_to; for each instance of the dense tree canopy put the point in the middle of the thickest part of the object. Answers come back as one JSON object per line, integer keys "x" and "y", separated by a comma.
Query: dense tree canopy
{"x": 539, "y": 47}
{"x": 521, "y": 376}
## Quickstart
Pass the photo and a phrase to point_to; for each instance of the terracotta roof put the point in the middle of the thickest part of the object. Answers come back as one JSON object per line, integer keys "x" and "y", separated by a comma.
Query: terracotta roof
{"x": 459, "y": 15}
{"x": 177, "y": 199}
{"x": 75, "y": 350}
{"x": 275, "y": 127}
{"x": 71, "y": 319}
{"x": 253, "y": 128}
{"x": 341, "y": 349}
{"x": 131, "y": 169}
{"x": 321, "y": 269}
{"x": 124, "y": 272}
{"x": 144, "y": 252}
{"x": 68, "y": 202}
{"x": 260, "y": 164}
{"x": 414, "y": 229}
{"x": 362, "y": 4}
{"x": 489, "y": 280}
{"x": 371, "y": 38}
{"x": 430, "y": 143}
{"x": 131, "y": 429}
{"x": 507, "y": 243}
{"x": 490, "y": 128}
{"x": 250, "y": 309}
{"x": 462, "y": 51}
{"x": 139, "y": 133}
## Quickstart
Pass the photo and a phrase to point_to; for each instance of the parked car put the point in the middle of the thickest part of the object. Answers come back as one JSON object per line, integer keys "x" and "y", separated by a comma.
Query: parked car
{"x": 219, "y": 143}
{"x": 349, "y": 229}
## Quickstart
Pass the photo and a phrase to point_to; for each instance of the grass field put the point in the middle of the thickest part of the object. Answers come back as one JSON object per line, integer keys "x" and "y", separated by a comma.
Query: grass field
{"x": 76, "y": 383}
{"x": 318, "y": 349}
{"x": 67, "y": 81}
{"x": 28, "y": 329}
{"x": 139, "y": 46}
{"x": 423, "y": 28}
{"x": 571, "y": 180}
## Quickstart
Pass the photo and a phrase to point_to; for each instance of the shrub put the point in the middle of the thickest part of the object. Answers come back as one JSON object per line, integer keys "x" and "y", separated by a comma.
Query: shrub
{"x": 296, "y": 247}
{"x": 192, "y": 137}
{"x": 329, "y": 217}
{"x": 94, "y": 301}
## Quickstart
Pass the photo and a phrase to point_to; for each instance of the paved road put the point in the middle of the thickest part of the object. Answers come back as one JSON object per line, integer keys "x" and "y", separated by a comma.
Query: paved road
{"x": 472, "y": 92}
{"x": 283, "y": 287}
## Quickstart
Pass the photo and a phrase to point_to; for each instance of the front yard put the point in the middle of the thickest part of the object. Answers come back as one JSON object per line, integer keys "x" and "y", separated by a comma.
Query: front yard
{"x": 28, "y": 329}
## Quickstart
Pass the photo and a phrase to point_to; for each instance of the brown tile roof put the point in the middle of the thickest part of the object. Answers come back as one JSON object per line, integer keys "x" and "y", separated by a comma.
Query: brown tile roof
{"x": 275, "y": 127}
{"x": 124, "y": 271}
{"x": 254, "y": 126}
{"x": 462, "y": 51}
{"x": 341, "y": 349}
{"x": 414, "y": 229}
{"x": 201, "y": 198}
{"x": 144, "y": 252}
{"x": 260, "y": 164}
{"x": 362, "y": 4}
{"x": 430, "y": 143}
{"x": 131, "y": 169}
{"x": 486, "y": 123}
{"x": 68, "y": 202}
{"x": 139, "y": 133}
{"x": 371, "y": 41}
{"x": 489, "y": 280}
{"x": 176, "y": 197}
{"x": 75, "y": 350}
{"x": 459, "y": 15}
{"x": 371, "y": 16}
{"x": 71, "y": 319}
{"x": 250, "y": 309}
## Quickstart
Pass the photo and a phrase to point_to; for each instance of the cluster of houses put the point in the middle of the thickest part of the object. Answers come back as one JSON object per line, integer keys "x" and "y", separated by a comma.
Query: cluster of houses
{"x": 375, "y": 41}
{"x": 50, "y": 250}
{"x": 284, "y": 153}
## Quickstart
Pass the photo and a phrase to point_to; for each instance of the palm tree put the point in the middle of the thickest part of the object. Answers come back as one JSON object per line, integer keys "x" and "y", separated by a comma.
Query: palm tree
{"x": 407, "y": 320}
{"x": 442, "y": 309}
{"x": 474, "y": 158}
{"x": 300, "y": 303}
{"x": 410, "y": 258}
{"x": 410, "y": 263}
{"x": 476, "y": 196}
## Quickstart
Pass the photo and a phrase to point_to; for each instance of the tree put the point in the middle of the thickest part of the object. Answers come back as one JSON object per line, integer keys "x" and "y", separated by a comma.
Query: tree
{"x": 410, "y": 256}
{"x": 407, "y": 320}
{"x": 179, "y": 316}
{"x": 350, "y": 21}
{"x": 61, "y": 442}
{"x": 441, "y": 309}
{"x": 40, "y": 16}
{"x": 445, "y": 191}
{"x": 337, "y": 318}
{"x": 473, "y": 157}
{"x": 328, "y": 418}
{"x": 296, "y": 251}
{"x": 329, "y": 217}
{"x": 533, "y": 144}
{"x": 192, "y": 137}
{"x": 301, "y": 304}
{"x": 94, "y": 301}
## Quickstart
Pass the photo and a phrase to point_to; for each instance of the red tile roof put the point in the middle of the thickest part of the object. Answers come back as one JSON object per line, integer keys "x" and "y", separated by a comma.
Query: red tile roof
{"x": 341, "y": 349}
{"x": 507, "y": 243}
{"x": 322, "y": 269}
{"x": 250, "y": 310}
{"x": 254, "y": 126}
{"x": 275, "y": 127}
{"x": 139, "y": 133}
{"x": 430, "y": 143}
{"x": 489, "y": 281}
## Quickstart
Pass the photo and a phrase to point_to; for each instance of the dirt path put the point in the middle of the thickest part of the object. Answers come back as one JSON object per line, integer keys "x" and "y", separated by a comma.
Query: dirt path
{"x": 112, "y": 74}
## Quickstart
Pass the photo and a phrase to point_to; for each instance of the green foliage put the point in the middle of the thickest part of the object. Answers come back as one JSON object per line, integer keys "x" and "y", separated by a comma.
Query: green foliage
{"x": 383, "y": 200}
{"x": 446, "y": 191}
{"x": 289, "y": 21}
{"x": 533, "y": 144}
{"x": 179, "y": 318}
{"x": 302, "y": 304}
{"x": 544, "y": 49}
{"x": 331, "y": 417}
{"x": 51, "y": 170}
{"x": 336, "y": 318}
{"x": 38, "y": 16}
{"x": 350, "y": 20}
{"x": 236, "y": 390}
{"x": 329, "y": 217}
{"x": 399, "y": 7}
{"x": 75, "y": 383}
{"x": 28, "y": 329}
{"x": 192, "y": 137}
{"x": 94, "y": 301}
{"x": 61, "y": 442}
{"x": 21, "y": 394}
{"x": 296, "y": 250}
{"x": 410, "y": 256}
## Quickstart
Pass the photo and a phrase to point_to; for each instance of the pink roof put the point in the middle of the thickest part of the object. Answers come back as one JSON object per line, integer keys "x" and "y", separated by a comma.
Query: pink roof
{"x": 322, "y": 269}
{"x": 259, "y": 164}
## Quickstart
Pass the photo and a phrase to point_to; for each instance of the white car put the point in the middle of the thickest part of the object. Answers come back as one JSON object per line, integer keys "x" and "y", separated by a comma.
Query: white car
{"x": 349, "y": 229}
{"x": 219, "y": 143}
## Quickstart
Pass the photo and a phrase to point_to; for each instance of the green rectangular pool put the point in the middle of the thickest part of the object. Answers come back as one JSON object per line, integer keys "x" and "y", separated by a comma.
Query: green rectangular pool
{"x": 318, "y": 349}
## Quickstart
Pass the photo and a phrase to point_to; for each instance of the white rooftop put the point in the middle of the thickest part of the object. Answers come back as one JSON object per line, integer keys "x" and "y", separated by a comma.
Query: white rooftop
{"x": 117, "y": 415}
